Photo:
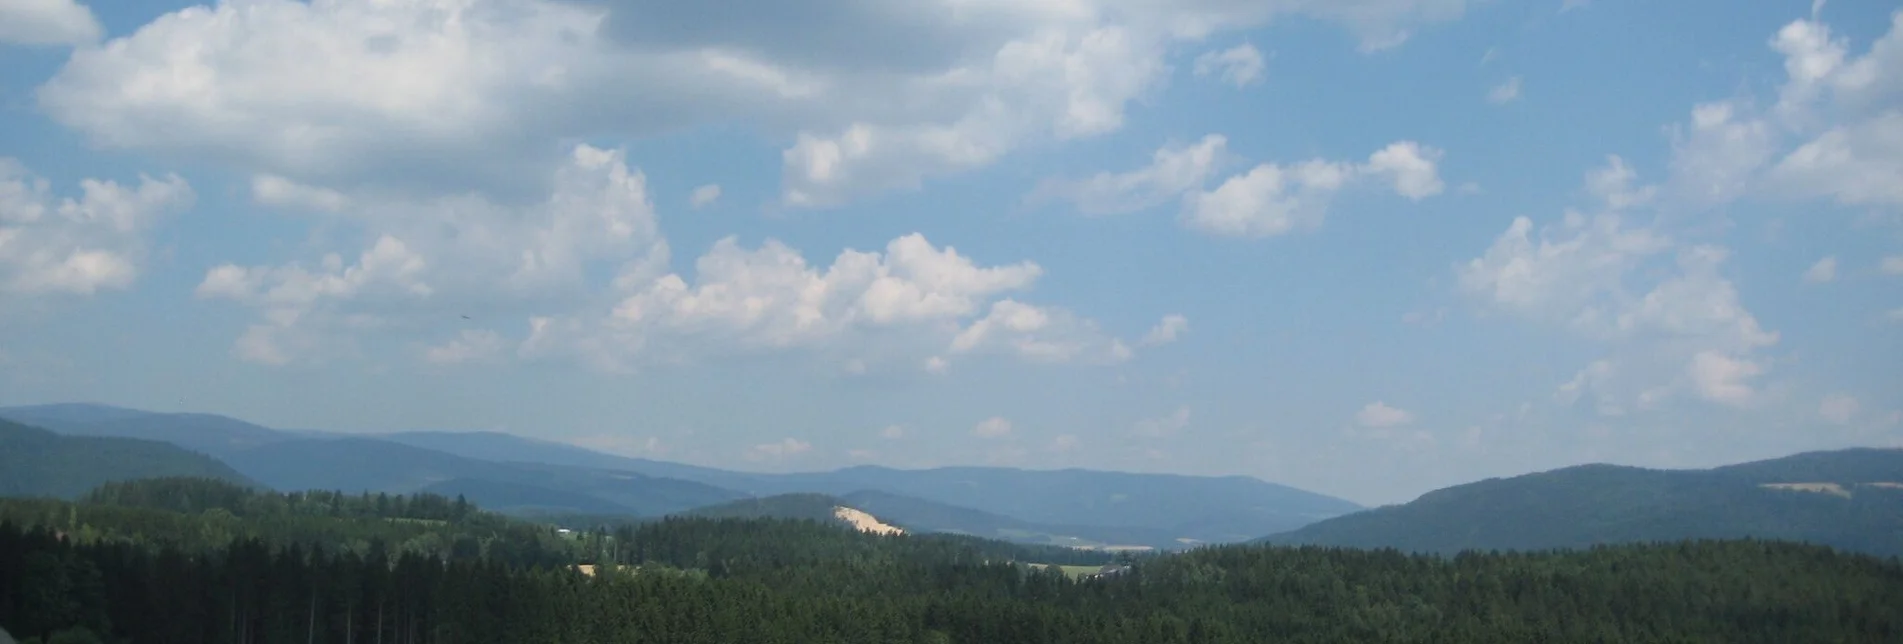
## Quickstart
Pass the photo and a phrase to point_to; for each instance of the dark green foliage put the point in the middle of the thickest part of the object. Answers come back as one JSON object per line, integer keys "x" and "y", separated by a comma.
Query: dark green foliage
{"x": 1581, "y": 506}
{"x": 120, "y": 572}
{"x": 810, "y": 507}
{"x": 36, "y": 462}
{"x": 522, "y": 498}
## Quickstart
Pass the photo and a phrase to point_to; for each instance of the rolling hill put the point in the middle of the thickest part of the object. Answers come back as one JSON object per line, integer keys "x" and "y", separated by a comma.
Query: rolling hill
{"x": 206, "y": 433}
{"x": 1849, "y": 499}
{"x": 351, "y": 464}
{"x": 1070, "y": 507}
{"x": 37, "y": 462}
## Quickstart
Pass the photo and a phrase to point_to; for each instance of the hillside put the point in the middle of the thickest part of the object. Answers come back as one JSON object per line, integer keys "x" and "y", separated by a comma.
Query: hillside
{"x": 357, "y": 463}
{"x": 37, "y": 462}
{"x": 134, "y": 562}
{"x": 1850, "y": 499}
{"x": 524, "y": 475}
{"x": 1199, "y": 508}
{"x": 206, "y": 433}
{"x": 797, "y": 507}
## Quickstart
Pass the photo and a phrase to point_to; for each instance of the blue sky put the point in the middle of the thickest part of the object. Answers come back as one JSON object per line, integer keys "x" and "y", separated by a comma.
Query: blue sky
{"x": 1368, "y": 248}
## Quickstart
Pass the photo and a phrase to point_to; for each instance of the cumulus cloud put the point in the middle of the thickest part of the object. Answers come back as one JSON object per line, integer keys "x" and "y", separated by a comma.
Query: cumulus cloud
{"x": 786, "y": 448}
{"x": 429, "y": 259}
{"x": 1064, "y": 443}
{"x": 1272, "y": 199}
{"x": 892, "y": 432}
{"x": 914, "y": 300}
{"x": 1174, "y": 170}
{"x": 993, "y": 427}
{"x": 1163, "y": 426}
{"x": 1167, "y": 331}
{"x": 1240, "y": 65}
{"x": 1824, "y": 270}
{"x": 1040, "y": 334}
{"x": 873, "y": 97}
{"x": 704, "y": 196}
{"x": 82, "y": 245}
{"x": 475, "y": 345}
{"x": 1669, "y": 328}
{"x": 47, "y": 22}
{"x": 1379, "y": 414}
{"x": 273, "y": 190}
{"x": 1840, "y": 110}
{"x": 1838, "y": 408}
{"x": 1505, "y": 92}
{"x": 1892, "y": 265}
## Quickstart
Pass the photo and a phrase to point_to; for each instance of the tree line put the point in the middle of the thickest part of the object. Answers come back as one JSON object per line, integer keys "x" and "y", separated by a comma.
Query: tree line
{"x": 134, "y": 578}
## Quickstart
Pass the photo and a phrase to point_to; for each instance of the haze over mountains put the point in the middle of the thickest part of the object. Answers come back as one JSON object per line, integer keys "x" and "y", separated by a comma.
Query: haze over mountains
{"x": 1850, "y": 499}
{"x": 514, "y": 474}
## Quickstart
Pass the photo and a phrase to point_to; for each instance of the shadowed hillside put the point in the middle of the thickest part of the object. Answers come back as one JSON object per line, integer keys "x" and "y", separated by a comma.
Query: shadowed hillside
{"x": 1850, "y": 499}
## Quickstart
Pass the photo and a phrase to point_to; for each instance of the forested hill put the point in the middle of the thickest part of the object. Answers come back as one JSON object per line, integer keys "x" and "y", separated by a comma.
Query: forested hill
{"x": 37, "y": 462}
{"x": 1850, "y": 499}
{"x": 196, "y": 562}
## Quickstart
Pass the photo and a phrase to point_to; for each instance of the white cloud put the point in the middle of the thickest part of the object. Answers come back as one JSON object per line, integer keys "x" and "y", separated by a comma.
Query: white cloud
{"x": 874, "y": 98}
{"x": 1165, "y": 426}
{"x": 786, "y": 448}
{"x": 1824, "y": 270}
{"x": 475, "y": 345}
{"x": 1174, "y": 169}
{"x": 1894, "y": 315}
{"x": 1838, "y": 408}
{"x": 47, "y": 22}
{"x": 1040, "y": 334}
{"x": 912, "y": 301}
{"x": 1613, "y": 185}
{"x": 892, "y": 432}
{"x": 1064, "y": 443}
{"x": 1240, "y": 65}
{"x": 1721, "y": 378}
{"x": 1167, "y": 331}
{"x": 428, "y": 259}
{"x": 1841, "y": 109}
{"x": 937, "y": 364}
{"x": 78, "y": 245}
{"x": 1716, "y": 160}
{"x": 1379, "y": 414}
{"x": 993, "y": 427}
{"x": 1272, "y": 199}
{"x": 1506, "y": 92}
{"x": 1410, "y": 166}
{"x": 704, "y": 196}
{"x": 1892, "y": 265}
{"x": 1668, "y": 329}
{"x": 273, "y": 190}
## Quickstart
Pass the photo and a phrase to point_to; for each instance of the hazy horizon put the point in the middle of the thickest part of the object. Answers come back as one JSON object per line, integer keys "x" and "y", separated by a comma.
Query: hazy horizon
{"x": 1368, "y": 248}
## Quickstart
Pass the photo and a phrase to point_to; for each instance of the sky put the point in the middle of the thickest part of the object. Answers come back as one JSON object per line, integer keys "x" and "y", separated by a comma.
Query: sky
{"x": 1368, "y": 248}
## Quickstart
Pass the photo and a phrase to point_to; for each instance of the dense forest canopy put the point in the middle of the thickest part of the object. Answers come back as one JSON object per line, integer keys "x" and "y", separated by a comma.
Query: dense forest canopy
{"x": 200, "y": 561}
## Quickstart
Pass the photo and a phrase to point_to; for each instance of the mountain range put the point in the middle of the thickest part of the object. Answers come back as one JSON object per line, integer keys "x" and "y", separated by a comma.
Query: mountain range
{"x": 38, "y": 463}
{"x": 520, "y": 475}
{"x": 1850, "y": 499}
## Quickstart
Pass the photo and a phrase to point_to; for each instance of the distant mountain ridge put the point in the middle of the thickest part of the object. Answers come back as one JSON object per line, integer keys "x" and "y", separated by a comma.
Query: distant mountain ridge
{"x": 519, "y": 474}
{"x": 38, "y": 462}
{"x": 1850, "y": 499}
